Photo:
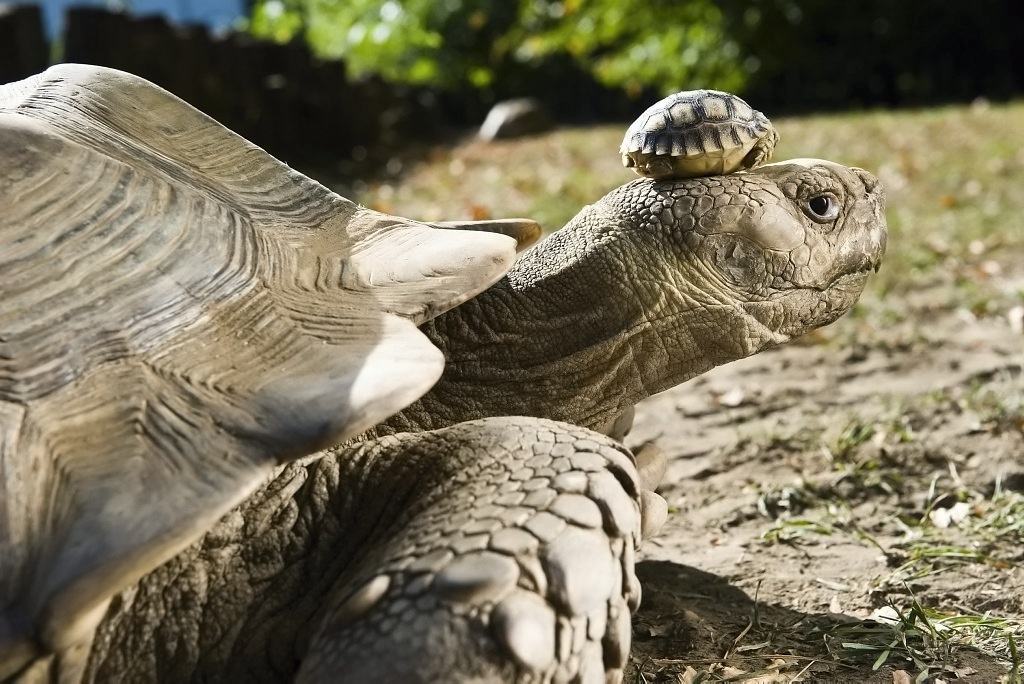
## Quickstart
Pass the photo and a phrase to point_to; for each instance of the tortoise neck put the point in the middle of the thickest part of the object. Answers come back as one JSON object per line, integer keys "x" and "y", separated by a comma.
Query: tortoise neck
{"x": 565, "y": 335}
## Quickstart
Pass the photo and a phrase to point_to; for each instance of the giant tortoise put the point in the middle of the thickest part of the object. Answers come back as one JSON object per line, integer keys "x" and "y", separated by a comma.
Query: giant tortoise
{"x": 228, "y": 454}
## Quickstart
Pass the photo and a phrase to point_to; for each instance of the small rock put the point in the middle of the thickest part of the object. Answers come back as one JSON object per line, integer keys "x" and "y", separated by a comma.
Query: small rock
{"x": 954, "y": 515}
{"x": 540, "y": 498}
{"x": 990, "y": 268}
{"x": 514, "y": 118}
{"x": 1015, "y": 316}
{"x": 432, "y": 562}
{"x": 732, "y": 398}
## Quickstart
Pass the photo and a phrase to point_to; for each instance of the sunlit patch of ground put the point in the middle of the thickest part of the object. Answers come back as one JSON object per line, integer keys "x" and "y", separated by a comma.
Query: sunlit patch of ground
{"x": 841, "y": 509}
{"x": 850, "y": 507}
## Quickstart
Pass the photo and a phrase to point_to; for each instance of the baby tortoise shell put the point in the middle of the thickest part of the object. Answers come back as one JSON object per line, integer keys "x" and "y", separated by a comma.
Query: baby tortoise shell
{"x": 698, "y": 133}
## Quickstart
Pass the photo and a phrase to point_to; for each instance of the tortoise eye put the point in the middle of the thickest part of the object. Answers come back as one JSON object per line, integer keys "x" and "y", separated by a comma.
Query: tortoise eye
{"x": 822, "y": 208}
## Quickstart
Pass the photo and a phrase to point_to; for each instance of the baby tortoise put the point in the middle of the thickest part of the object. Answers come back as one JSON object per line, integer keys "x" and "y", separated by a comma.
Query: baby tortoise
{"x": 698, "y": 133}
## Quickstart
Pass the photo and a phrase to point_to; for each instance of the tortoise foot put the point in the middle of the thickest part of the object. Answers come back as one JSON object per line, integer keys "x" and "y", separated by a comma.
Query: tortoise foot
{"x": 514, "y": 563}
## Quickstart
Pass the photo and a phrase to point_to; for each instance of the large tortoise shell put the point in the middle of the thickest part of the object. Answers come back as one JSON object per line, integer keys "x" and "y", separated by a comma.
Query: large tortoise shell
{"x": 181, "y": 312}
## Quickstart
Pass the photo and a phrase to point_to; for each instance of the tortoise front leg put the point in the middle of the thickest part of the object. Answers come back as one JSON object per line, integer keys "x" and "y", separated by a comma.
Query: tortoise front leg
{"x": 498, "y": 549}
{"x": 513, "y": 560}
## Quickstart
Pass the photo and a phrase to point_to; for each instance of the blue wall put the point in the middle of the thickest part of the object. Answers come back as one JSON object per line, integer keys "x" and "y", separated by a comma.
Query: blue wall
{"x": 213, "y": 13}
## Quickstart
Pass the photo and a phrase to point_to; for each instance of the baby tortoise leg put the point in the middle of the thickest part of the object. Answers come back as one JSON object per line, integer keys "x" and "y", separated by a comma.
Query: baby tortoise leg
{"x": 761, "y": 152}
{"x": 515, "y": 563}
{"x": 658, "y": 168}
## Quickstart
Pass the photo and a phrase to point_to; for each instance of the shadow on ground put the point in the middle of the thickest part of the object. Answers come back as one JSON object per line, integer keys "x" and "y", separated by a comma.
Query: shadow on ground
{"x": 691, "y": 618}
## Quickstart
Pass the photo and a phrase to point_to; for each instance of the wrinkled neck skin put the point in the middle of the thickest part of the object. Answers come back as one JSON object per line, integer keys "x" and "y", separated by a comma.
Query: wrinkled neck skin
{"x": 586, "y": 324}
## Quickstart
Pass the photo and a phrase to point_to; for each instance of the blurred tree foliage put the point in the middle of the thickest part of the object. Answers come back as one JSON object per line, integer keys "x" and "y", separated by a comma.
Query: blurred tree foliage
{"x": 603, "y": 56}
{"x": 622, "y": 43}
{"x": 665, "y": 44}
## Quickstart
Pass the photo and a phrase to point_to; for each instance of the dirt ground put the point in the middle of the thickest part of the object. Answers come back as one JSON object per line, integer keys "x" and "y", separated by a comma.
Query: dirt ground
{"x": 850, "y": 507}
{"x": 797, "y": 484}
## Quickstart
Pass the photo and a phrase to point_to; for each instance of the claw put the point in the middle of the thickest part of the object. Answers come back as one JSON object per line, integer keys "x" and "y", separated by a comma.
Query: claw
{"x": 653, "y": 513}
{"x": 651, "y": 464}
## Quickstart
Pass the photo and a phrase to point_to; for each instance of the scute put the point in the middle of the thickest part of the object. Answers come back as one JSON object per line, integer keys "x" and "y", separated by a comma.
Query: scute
{"x": 682, "y": 114}
{"x": 697, "y": 133}
{"x": 715, "y": 108}
{"x": 181, "y": 312}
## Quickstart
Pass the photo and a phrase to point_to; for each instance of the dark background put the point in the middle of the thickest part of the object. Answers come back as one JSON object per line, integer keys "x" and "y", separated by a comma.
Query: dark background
{"x": 440, "y": 70}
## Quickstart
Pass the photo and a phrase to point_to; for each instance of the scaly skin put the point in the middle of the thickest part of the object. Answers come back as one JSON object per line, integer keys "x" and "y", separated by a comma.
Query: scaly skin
{"x": 449, "y": 541}
{"x": 428, "y": 556}
{"x": 652, "y": 285}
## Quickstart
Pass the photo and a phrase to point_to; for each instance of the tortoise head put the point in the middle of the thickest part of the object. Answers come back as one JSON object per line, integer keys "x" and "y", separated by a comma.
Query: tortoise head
{"x": 784, "y": 248}
{"x": 796, "y": 249}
